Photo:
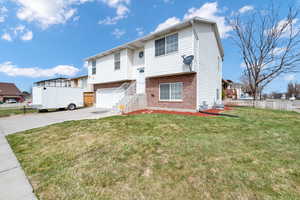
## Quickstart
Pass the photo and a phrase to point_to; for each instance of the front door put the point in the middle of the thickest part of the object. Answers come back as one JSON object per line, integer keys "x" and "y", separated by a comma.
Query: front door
{"x": 140, "y": 82}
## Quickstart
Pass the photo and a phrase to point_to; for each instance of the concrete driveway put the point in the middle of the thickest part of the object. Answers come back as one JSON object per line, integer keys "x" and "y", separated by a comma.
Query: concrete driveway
{"x": 17, "y": 123}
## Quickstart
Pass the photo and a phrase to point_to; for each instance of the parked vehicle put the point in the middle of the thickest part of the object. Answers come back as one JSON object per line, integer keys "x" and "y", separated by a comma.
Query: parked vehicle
{"x": 44, "y": 98}
{"x": 11, "y": 101}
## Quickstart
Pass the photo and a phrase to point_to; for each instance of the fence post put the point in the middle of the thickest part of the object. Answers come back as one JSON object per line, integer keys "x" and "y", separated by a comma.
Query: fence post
{"x": 24, "y": 110}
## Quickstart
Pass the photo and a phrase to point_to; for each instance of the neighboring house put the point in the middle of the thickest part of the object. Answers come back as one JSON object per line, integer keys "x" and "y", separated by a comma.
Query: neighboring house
{"x": 55, "y": 82}
{"x": 77, "y": 82}
{"x": 9, "y": 91}
{"x": 26, "y": 95}
{"x": 154, "y": 66}
{"x": 81, "y": 82}
{"x": 234, "y": 90}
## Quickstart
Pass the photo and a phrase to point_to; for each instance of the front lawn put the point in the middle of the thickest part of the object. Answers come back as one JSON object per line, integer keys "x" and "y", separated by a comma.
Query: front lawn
{"x": 164, "y": 157}
{"x": 5, "y": 112}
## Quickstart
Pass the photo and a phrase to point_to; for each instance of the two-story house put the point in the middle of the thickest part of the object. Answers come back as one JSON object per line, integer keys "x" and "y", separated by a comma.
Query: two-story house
{"x": 156, "y": 67}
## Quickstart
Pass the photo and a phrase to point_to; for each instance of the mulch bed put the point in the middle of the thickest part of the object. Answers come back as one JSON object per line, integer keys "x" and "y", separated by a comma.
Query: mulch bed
{"x": 148, "y": 111}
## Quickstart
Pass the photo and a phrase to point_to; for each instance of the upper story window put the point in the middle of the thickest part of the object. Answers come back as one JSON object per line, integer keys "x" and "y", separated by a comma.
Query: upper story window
{"x": 160, "y": 47}
{"x": 166, "y": 45}
{"x": 117, "y": 57}
{"x": 94, "y": 63}
{"x": 172, "y": 43}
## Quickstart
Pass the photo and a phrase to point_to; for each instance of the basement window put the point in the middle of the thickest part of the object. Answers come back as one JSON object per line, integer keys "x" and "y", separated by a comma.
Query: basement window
{"x": 170, "y": 91}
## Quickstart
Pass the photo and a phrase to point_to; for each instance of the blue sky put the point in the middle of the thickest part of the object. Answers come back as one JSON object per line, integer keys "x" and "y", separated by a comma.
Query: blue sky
{"x": 42, "y": 39}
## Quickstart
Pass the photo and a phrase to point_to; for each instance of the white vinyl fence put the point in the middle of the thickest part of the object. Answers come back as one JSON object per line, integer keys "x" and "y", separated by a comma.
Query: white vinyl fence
{"x": 267, "y": 104}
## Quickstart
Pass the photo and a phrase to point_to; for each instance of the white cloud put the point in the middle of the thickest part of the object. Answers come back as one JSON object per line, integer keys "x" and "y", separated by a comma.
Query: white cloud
{"x": 18, "y": 29}
{"x": 140, "y": 31}
{"x": 245, "y": 9}
{"x": 279, "y": 50}
{"x": 289, "y": 77}
{"x": 288, "y": 28}
{"x": 118, "y": 33}
{"x": 243, "y": 65}
{"x": 20, "y": 32}
{"x": 208, "y": 11}
{"x": 212, "y": 12}
{"x": 27, "y": 36}
{"x": 7, "y": 37}
{"x": 3, "y": 15}
{"x": 122, "y": 11}
{"x": 169, "y": 22}
{"x": 10, "y": 69}
{"x": 76, "y": 18}
{"x": 47, "y": 12}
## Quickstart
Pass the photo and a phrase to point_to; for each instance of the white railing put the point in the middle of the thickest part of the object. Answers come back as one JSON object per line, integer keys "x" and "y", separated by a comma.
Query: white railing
{"x": 136, "y": 102}
{"x": 265, "y": 104}
{"x": 131, "y": 101}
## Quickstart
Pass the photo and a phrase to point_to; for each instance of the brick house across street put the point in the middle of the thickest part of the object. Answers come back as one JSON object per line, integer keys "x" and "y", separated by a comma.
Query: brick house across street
{"x": 9, "y": 91}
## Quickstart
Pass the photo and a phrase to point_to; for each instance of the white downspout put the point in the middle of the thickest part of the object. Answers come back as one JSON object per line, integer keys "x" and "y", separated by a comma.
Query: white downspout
{"x": 196, "y": 62}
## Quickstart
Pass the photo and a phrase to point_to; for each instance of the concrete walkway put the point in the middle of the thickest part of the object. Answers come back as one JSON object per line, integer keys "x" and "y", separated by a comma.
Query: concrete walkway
{"x": 14, "y": 184}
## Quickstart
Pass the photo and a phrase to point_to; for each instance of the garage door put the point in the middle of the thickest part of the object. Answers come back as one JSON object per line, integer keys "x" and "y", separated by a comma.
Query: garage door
{"x": 107, "y": 98}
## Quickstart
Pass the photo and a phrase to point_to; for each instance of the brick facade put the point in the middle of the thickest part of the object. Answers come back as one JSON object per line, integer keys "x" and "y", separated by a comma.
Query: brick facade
{"x": 189, "y": 91}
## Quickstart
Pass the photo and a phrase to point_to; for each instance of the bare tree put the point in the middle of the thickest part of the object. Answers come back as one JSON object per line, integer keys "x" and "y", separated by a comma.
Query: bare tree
{"x": 269, "y": 45}
{"x": 293, "y": 90}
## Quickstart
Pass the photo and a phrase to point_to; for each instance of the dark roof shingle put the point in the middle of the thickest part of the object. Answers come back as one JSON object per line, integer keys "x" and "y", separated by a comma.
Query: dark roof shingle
{"x": 9, "y": 89}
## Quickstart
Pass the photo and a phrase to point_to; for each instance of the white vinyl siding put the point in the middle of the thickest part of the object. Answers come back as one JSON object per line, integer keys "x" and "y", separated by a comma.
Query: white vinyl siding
{"x": 170, "y": 63}
{"x": 170, "y": 91}
{"x": 106, "y": 69}
{"x": 209, "y": 76}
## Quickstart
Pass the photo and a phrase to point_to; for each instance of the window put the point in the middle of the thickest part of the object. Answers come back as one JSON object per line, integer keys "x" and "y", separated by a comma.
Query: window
{"x": 160, "y": 47}
{"x": 170, "y": 91}
{"x": 172, "y": 43}
{"x": 218, "y": 94}
{"x": 166, "y": 45}
{"x": 117, "y": 61}
{"x": 94, "y": 63}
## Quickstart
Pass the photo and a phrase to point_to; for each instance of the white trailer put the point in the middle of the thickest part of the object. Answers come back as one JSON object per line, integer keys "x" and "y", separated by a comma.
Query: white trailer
{"x": 44, "y": 98}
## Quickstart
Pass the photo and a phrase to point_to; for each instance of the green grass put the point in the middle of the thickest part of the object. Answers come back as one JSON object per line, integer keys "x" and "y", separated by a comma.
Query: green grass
{"x": 5, "y": 112}
{"x": 156, "y": 156}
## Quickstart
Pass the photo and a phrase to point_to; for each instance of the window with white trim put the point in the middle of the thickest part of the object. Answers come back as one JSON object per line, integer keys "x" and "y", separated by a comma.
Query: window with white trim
{"x": 166, "y": 45}
{"x": 170, "y": 91}
{"x": 172, "y": 43}
{"x": 117, "y": 58}
{"x": 94, "y": 69}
